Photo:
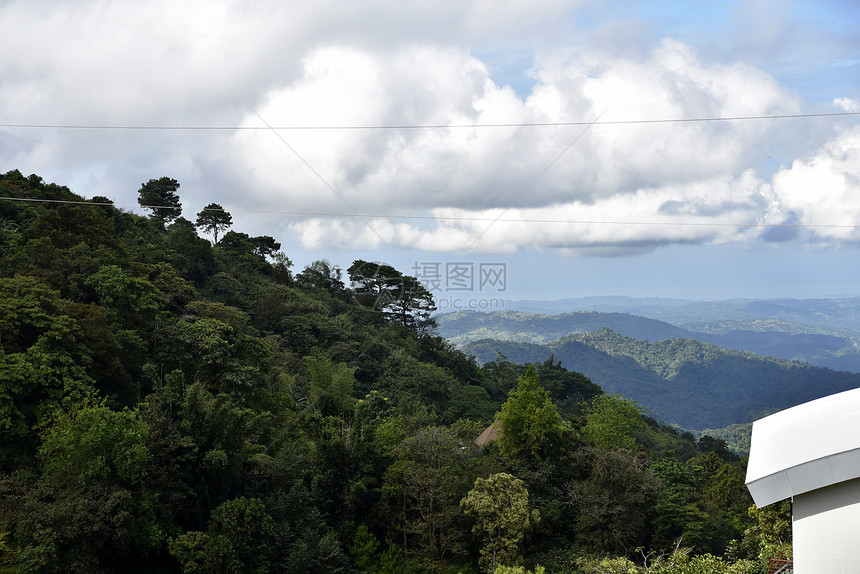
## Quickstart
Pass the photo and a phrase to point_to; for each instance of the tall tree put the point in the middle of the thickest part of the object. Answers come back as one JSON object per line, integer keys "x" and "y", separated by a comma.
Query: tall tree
{"x": 265, "y": 246}
{"x": 500, "y": 506}
{"x": 412, "y": 304}
{"x": 398, "y": 297}
{"x": 530, "y": 420}
{"x": 323, "y": 275}
{"x": 214, "y": 219}
{"x": 160, "y": 197}
{"x": 432, "y": 468}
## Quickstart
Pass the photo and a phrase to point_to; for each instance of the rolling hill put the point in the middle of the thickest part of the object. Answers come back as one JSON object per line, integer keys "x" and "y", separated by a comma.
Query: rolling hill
{"x": 731, "y": 325}
{"x": 682, "y": 381}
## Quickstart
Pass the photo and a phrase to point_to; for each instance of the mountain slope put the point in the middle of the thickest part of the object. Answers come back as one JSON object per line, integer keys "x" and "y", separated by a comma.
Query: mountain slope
{"x": 835, "y": 348}
{"x": 693, "y": 384}
{"x": 466, "y": 326}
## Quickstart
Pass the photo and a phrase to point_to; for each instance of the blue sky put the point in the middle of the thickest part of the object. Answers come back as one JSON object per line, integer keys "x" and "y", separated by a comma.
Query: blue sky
{"x": 699, "y": 210}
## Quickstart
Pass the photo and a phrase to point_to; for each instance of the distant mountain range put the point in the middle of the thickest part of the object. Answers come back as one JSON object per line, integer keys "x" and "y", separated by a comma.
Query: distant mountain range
{"x": 750, "y": 358}
{"x": 822, "y": 332}
{"x": 834, "y": 314}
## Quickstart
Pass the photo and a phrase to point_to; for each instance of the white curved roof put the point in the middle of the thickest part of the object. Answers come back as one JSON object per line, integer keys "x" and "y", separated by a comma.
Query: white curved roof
{"x": 804, "y": 448}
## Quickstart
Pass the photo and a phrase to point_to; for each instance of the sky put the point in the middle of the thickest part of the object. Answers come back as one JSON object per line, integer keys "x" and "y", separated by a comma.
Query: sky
{"x": 495, "y": 149}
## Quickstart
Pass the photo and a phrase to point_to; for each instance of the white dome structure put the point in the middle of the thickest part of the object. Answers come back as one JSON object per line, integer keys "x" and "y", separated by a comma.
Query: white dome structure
{"x": 811, "y": 454}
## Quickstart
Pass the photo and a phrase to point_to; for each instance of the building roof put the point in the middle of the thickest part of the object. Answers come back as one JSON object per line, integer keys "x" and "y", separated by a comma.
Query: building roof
{"x": 491, "y": 433}
{"x": 804, "y": 448}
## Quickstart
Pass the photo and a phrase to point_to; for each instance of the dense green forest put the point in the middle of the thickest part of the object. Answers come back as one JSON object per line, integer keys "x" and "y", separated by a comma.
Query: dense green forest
{"x": 174, "y": 404}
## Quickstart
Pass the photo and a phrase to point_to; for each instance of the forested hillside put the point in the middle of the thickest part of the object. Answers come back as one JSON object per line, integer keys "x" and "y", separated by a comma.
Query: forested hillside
{"x": 682, "y": 381}
{"x": 174, "y": 404}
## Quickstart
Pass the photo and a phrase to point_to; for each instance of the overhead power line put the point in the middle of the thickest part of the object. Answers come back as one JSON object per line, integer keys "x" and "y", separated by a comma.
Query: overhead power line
{"x": 422, "y": 126}
{"x": 460, "y": 218}
{"x": 540, "y": 175}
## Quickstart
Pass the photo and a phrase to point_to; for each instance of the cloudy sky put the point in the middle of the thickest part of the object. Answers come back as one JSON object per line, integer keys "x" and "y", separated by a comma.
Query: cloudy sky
{"x": 525, "y": 149}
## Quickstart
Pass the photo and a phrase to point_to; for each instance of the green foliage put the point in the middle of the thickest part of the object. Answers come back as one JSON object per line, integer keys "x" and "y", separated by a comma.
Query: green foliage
{"x": 211, "y": 352}
{"x": 5, "y": 551}
{"x": 432, "y": 472}
{"x": 130, "y": 300}
{"x": 92, "y": 442}
{"x": 238, "y": 539}
{"x": 612, "y": 421}
{"x": 160, "y": 197}
{"x": 331, "y": 385}
{"x": 736, "y": 437}
{"x": 608, "y": 565}
{"x": 191, "y": 256}
{"x": 772, "y": 524}
{"x": 226, "y": 437}
{"x": 518, "y": 570}
{"x": 487, "y": 350}
{"x": 717, "y": 446}
{"x": 363, "y": 549}
{"x": 530, "y": 421}
{"x": 615, "y": 500}
{"x": 303, "y": 539}
{"x": 499, "y": 505}
{"x": 406, "y": 379}
{"x": 91, "y": 510}
{"x": 246, "y": 254}
{"x": 96, "y": 528}
{"x": 677, "y": 562}
{"x": 214, "y": 219}
{"x": 367, "y": 559}
{"x": 675, "y": 378}
{"x": 232, "y": 316}
{"x": 167, "y": 405}
{"x": 42, "y": 359}
{"x": 681, "y": 562}
{"x": 398, "y": 297}
{"x": 569, "y": 387}
{"x": 322, "y": 274}
{"x": 748, "y": 385}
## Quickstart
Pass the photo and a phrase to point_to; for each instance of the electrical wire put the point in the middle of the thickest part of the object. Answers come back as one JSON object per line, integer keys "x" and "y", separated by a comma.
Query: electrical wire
{"x": 424, "y": 126}
{"x": 365, "y": 216}
{"x": 460, "y": 218}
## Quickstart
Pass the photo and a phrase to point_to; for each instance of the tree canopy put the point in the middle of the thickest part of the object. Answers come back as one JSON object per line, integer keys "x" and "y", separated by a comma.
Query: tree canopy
{"x": 398, "y": 297}
{"x": 500, "y": 506}
{"x": 530, "y": 423}
{"x": 159, "y": 196}
{"x": 214, "y": 219}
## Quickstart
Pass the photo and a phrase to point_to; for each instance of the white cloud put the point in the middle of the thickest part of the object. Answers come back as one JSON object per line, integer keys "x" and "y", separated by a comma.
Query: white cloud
{"x": 847, "y": 104}
{"x": 643, "y": 173}
{"x": 398, "y": 169}
{"x": 821, "y": 192}
{"x": 382, "y": 63}
{"x": 712, "y": 211}
{"x": 824, "y": 190}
